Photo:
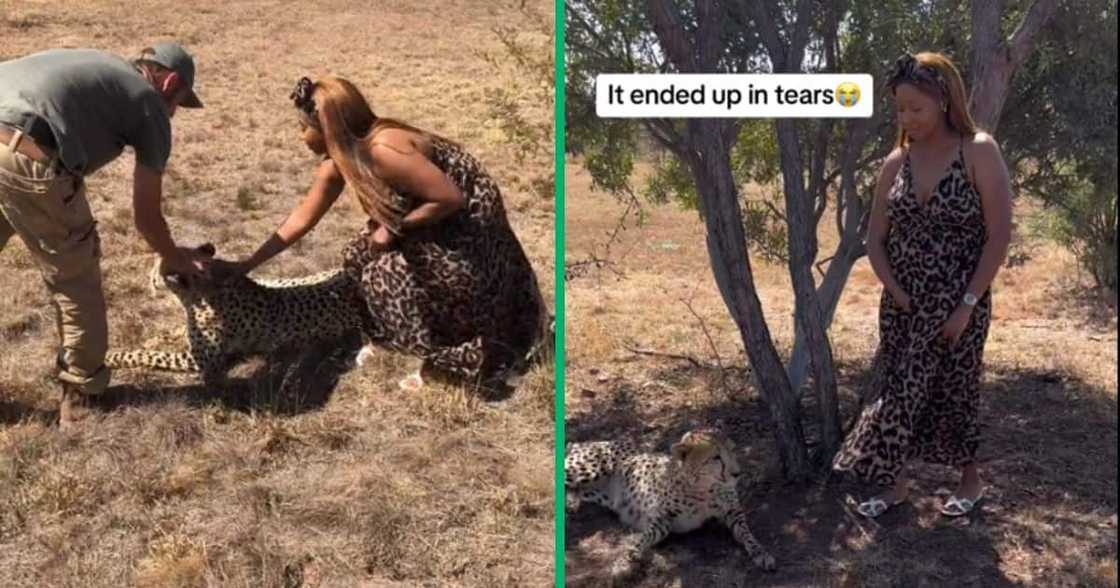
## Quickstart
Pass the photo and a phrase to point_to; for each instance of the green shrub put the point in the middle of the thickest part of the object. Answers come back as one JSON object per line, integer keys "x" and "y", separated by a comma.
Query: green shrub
{"x": 1086, "y": 223}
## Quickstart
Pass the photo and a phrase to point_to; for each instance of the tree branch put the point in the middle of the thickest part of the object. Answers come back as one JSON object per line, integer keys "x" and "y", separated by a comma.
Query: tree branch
{"x": 663, "y": 132}
{"x": 767, "y": 31}
{"x": 708, "y": 336}
{"x": 818, "y": 187}
{"x": 1023, "y": 39}
{"x": 590, "y": 31}
{"x": 639, "y": 351}
{"x": 731, "y": 131}
{"x": 709, "y": 42}
{"x": 985, "y": 31}
{"x": 670, "y": 32}
{"x": 796, "y": 51}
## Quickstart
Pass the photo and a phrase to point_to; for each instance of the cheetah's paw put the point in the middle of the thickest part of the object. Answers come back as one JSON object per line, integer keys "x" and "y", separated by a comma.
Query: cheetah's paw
{"x": 622, "y": 569}
{"x": 364, "y": 355}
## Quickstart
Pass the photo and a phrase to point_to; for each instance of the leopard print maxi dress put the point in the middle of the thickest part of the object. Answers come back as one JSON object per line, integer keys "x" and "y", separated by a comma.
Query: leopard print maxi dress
{"x": 460, "y": 293}
{"x": 927, "y": 406}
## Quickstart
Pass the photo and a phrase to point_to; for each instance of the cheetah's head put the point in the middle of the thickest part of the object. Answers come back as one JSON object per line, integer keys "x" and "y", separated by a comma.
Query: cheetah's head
{"x": 707, "y": 453}
{"x": 180, "y": 285}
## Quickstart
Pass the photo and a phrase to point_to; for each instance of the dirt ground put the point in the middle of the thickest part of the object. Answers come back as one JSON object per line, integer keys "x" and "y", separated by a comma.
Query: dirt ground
{"x": 351, "y": 484}
{"x": 1049, "y": 418}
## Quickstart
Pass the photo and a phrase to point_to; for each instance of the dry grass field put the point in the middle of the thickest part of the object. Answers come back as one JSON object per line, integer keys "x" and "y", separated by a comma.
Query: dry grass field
{"x": 1049, "y": 414}
{"x": 352, "y": 484}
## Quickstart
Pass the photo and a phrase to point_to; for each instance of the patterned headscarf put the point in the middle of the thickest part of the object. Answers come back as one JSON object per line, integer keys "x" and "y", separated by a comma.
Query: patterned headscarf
{"x": 908, "y": 70}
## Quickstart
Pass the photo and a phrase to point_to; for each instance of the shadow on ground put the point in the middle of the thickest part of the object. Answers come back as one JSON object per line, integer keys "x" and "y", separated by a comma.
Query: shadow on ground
{"x": 290, "y": 381}
{"x": 16, "y": 411}
{"x": 1050, "y": 446}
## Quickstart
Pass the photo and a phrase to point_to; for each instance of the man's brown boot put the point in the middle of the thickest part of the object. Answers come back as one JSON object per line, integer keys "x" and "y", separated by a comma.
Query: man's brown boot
{"x": 73, "y": 408}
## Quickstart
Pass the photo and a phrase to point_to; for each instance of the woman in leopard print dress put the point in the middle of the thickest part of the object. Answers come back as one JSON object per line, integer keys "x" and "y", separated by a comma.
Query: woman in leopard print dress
{"x": 939, "y": 233}
{"x": 438, "y": 267}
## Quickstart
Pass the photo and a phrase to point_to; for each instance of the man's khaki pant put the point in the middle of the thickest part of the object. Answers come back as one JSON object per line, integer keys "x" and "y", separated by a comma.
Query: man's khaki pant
{"x": 49, "y": 211}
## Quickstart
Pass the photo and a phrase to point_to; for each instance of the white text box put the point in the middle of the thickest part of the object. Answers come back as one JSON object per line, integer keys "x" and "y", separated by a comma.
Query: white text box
{"x": 734, "y": 95}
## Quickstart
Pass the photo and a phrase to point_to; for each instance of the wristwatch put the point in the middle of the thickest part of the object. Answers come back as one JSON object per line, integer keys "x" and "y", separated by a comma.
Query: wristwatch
{"x": 970, "y": 299}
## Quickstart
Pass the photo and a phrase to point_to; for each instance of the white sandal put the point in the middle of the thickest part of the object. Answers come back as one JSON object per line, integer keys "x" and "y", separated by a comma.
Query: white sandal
{"x": 956, "y": 506}
{"x": 364, "y": 355}
{"x": 412, "y": 382}
{"x": 874, "y": 507}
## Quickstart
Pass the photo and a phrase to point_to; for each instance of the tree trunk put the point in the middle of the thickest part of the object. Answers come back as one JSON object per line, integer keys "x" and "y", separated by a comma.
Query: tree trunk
{"x": 727, "y": 250}
{"x": 852, "y": 225}
{"x": 706, "y": 149}
{"x": 786, "y": 56}
{"x": 994, "y": 61}
{"x": 848, "y": 252}
{"x": 802, "y": 252}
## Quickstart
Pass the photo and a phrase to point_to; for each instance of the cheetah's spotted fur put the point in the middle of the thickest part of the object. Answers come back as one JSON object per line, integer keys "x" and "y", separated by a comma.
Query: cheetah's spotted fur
{"x": 245, "y": 317}
{"x": 659, "y": 494}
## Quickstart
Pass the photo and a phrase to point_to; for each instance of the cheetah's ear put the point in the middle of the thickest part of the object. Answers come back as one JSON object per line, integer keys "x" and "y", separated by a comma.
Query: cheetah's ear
{"x": 680, "y": 451}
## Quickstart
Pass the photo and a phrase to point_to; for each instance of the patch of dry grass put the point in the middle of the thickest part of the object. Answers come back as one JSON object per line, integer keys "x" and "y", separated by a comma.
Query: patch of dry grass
{"x": 174, "y": 485}
{"x": 1049, "y": 413}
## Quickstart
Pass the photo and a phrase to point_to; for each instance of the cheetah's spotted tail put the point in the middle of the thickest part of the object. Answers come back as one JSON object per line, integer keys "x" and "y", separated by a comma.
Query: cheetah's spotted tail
{"x": 157, "y": 360}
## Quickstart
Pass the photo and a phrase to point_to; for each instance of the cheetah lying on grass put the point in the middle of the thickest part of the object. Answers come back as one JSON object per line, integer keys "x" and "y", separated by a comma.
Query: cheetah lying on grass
{"x": 245, "y": 317}
{"x": 659, "y": 494}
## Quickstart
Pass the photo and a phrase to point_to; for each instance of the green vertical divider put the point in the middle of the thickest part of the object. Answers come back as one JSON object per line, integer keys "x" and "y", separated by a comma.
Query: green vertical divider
{"x": 558, "y": 468}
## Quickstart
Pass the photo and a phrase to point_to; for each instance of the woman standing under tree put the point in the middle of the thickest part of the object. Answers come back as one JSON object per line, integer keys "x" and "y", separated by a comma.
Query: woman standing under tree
{"x": 441, "y": 272}
{"x": 940, "y": 227}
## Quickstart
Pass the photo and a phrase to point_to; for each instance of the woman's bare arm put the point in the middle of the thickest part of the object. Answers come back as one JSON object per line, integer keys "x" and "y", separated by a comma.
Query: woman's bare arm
{"x": 879, "y": 226}
{"x": 399, "y": 163}
{"x": 993, "y": 183}
{"x": 324, "y": 191}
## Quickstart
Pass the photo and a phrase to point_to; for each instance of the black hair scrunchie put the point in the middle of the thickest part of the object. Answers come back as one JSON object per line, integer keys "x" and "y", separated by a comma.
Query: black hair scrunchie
{"x": 302, "y": 95}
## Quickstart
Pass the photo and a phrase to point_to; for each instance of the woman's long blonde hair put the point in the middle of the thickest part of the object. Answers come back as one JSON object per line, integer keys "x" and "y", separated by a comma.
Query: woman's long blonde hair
{"x": 349, "y": 127}
{"x": 936, "y": 75}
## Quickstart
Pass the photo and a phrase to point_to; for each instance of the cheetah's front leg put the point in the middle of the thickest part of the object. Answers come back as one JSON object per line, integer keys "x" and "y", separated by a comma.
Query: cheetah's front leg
{"x": 587, "y": 463}
{"x": 586, "y": 467}
{"x": 736, "y": 519}
{"x": 657, "y": 531}
{"x": 213, "y": 366}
